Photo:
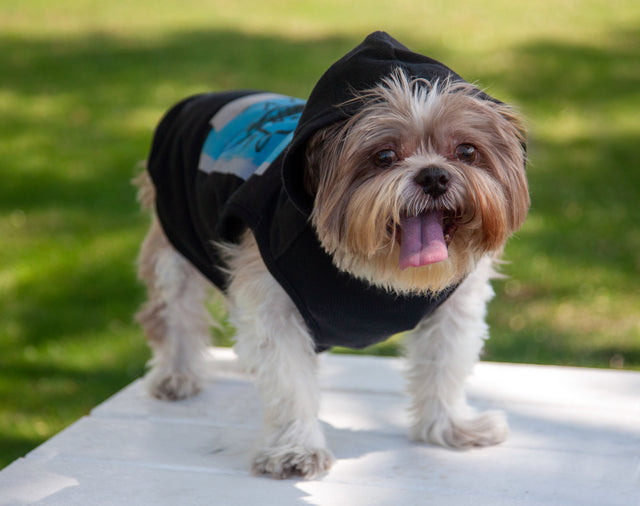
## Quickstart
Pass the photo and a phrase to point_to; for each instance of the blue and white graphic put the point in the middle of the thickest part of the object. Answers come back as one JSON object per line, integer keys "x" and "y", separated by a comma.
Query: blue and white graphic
{"x": 249, "y": 133}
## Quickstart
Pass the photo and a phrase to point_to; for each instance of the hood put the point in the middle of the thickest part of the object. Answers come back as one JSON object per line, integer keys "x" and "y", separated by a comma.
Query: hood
{"x": 359, "y": 70}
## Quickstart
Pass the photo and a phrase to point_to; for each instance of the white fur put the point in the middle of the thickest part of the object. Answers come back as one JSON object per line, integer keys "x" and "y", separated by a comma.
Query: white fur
{"x": 277, "y": 350}
{"x": 442, "y": 351}
{"x": 176, "y": 305}
{"x": 275, "y": 347}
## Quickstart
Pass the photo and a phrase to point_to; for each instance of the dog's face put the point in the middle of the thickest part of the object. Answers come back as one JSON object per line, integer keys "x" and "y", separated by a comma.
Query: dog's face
{"x": 424, "y": 180}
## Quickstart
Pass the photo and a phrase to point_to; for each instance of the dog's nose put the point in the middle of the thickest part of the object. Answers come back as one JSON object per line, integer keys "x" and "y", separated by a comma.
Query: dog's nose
{"x": 434, "y": 181}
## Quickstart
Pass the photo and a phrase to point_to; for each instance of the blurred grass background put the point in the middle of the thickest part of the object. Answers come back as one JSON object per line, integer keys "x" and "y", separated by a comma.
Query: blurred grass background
{"x": 83, "y": 83}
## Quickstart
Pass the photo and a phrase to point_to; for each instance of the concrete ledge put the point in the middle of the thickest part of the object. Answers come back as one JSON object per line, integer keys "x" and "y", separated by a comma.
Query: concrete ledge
{"x": 575, "y": 441}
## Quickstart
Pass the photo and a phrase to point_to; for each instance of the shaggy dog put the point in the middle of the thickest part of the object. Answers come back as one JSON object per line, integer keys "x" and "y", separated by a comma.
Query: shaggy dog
{"x": 378, "y": 206}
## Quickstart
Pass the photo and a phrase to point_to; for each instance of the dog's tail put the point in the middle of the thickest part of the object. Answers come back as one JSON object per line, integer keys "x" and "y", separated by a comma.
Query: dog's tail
{"x": 146, "y": 190}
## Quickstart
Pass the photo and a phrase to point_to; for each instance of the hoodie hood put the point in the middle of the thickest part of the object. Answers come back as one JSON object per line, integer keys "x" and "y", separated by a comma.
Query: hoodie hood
{"x": 359, "y": 70}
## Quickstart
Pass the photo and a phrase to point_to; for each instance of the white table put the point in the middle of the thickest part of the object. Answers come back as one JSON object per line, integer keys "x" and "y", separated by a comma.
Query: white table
{"x": 575, "y": 441}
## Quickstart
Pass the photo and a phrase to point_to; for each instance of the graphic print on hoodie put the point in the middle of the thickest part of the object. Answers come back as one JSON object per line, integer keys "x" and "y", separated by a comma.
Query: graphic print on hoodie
{"x": 225, "y": 162}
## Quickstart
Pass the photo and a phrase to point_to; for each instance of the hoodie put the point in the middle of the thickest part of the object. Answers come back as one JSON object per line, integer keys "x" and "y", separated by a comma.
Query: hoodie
{"x": 225, "y": 162}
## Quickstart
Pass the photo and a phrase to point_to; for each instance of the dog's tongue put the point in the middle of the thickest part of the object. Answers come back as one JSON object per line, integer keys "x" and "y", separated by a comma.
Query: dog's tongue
{"x": 422, "y": 240}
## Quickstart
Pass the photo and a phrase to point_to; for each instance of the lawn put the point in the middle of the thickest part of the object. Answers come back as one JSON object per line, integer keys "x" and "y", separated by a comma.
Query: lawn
{"x": 83, "y": 83}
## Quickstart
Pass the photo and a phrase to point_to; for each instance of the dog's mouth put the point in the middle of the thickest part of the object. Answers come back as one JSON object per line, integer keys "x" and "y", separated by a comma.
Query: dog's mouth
{"x": 424, "y": 239}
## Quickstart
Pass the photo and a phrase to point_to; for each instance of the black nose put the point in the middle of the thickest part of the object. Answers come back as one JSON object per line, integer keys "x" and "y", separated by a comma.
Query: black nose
{"x": 434, "y": 181}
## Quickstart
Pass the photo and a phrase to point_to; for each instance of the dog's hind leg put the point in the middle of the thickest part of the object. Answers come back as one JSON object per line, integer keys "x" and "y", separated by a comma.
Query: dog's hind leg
{"x": 174, "y": 318}
{"x": 275, "y": 347}
{"x": 442, "y": 351}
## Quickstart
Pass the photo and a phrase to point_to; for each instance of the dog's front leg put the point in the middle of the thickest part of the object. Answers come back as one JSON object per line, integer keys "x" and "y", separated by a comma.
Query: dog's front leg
{"x": 274, "y": 346}
{"x": 442, "y": 351}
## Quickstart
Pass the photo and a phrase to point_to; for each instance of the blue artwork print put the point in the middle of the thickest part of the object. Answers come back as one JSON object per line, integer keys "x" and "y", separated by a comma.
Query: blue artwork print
{"x": 249, "y": 134}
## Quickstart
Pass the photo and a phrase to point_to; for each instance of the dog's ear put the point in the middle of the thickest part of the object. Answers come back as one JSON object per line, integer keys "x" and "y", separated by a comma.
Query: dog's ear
{"x": 515, "y": 176}
{"x": 321, "y": 154}
{"x": 519, "y": 129}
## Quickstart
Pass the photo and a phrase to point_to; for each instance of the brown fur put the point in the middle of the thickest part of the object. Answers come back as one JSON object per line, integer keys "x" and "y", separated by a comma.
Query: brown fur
{"x": 357, "y": 205}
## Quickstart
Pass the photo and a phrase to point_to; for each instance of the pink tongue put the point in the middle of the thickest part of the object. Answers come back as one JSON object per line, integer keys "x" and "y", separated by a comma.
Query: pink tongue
{"x": 422, "y": 240}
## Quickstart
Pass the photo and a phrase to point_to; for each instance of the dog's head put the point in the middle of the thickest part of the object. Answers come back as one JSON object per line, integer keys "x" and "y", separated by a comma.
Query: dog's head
{"x": 421, "y": 182}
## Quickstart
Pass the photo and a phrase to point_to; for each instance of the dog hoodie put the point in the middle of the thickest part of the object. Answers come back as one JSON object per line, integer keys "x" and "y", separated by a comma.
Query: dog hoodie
{"x": 222, "y": 162}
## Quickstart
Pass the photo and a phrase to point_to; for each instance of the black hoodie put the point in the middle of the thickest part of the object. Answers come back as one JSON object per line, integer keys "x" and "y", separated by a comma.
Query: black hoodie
{"x": 204, "y": 194}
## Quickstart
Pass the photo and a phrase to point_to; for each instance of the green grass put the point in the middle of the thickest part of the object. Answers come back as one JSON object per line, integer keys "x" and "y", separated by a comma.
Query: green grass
{"x": 83, "y": 84}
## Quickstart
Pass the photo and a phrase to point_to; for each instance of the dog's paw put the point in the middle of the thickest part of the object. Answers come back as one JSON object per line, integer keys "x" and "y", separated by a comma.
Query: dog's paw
{"x": 284, "y": 462}
{"x": 486, "y": 429}
{"x": 172, "y": 386}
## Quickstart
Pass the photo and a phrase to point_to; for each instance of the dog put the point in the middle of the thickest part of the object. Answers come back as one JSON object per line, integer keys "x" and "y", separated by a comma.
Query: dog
{"x": 380, "y": 205}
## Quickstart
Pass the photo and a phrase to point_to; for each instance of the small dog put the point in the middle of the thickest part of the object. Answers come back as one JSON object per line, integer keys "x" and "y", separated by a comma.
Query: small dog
{"x": 378, "y": 206}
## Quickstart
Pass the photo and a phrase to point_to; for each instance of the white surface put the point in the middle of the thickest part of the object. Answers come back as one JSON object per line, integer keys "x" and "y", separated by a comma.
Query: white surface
{"x": 575, "y": 440}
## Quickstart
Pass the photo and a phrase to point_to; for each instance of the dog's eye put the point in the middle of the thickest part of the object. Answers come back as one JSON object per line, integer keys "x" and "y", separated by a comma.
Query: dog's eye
{"x": 385, "y": 158}
{"x": 467, "y": 153}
